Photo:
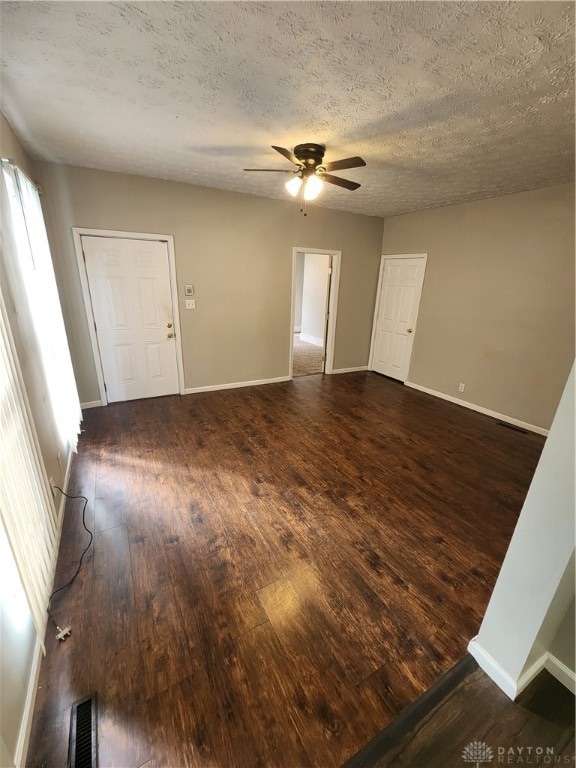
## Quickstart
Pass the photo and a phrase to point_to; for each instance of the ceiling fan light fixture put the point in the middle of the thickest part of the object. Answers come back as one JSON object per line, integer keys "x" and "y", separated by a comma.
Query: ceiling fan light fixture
{"x": 311, "y": 171}
{"x": 293, "y": 186}
{"x": 312, "y": 187}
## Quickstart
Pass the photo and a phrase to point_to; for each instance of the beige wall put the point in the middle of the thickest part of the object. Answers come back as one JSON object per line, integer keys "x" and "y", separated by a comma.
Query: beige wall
{"x": 497, "y": 309}
{"x": 10, "y": 147}
{"x": 237, "y": 251}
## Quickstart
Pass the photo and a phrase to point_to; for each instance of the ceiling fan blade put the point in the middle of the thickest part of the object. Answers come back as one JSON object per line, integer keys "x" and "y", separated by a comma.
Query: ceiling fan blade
{"x": 270, "y": 170}
{"x": 347, "y": 162}
{"x": 351, "y": 185}
{"x": 287, "y": 154}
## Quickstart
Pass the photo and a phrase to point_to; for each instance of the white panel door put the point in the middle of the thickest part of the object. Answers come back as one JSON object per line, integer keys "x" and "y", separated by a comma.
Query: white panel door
{"x": 396, "y": 315}
{"x": 132, "y": 304}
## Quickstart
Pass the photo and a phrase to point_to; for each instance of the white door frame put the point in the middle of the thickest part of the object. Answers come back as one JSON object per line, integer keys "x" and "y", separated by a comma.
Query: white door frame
{"x": 383, "y": 259}
{"x": 332, "y": 305}
{"x": 77, "y": 233}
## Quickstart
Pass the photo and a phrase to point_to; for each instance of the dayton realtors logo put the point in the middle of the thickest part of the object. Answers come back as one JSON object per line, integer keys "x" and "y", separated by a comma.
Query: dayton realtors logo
{"x": 532, "y": 756}
{"x": 478, "y": 752}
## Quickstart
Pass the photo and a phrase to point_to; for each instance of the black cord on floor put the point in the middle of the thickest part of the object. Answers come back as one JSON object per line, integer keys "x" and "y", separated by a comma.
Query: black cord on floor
{"x": 71, "y": 581}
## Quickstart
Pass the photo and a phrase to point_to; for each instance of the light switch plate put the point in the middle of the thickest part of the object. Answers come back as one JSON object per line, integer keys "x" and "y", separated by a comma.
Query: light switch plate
{"x": 189, "y": 290}
{"x": 190, "y": 303}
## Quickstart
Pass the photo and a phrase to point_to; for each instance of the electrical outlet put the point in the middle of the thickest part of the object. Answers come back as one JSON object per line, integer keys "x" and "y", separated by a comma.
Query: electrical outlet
{"x": 52, "y": 486}
{"x": 190, "y": 303}
{"x": 461, "y": 387}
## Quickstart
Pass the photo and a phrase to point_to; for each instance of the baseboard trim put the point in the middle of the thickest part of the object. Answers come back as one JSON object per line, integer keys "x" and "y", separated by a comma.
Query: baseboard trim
{"x": 497, "y": 673}
{"x": 91, "y": 404}
{"x": 318, "y": 341}
{"x": 561, "y": 672}
{"x": 526, "y": 677}
{"x": 512, "y": 688}
{"x": 21, "y": 753}
{"x": 480, "y": 409}
{"x": 236, "y": 385}
{"x": 350, "y": 370}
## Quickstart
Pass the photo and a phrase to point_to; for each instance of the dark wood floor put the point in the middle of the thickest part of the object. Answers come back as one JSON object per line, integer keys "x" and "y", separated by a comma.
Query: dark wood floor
{"x": 277, "y": 571}
{"x": 537, "y": 729}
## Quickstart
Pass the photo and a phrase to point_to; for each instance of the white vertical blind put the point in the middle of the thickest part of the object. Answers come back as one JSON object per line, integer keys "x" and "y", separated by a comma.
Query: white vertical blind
{"x": 26, "y": 507}
{"x": 35, "y": 265}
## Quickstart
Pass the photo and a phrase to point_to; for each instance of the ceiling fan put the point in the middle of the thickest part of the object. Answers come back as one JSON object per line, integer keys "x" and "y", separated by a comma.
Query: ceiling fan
{"x": 311, "y": 172}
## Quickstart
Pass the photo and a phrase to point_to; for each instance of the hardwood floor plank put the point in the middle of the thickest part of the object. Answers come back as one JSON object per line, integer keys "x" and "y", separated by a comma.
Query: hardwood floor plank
{"x": 239, "y": 601}
{"x": 259, "y": 563}
{"x": 289, "y": 546}
{"x": 118, "y": 671}
{"x": 179, "y": 722}
{"x": 301, "y": 630}
{"x": 108, "y": 513}
{"x": 326, "y": 714}
{"x": 218, "y": 577}
{"x": 218, "y": 725}
{"x": 403, "y": 603}
{"x": 49, "y": 743}
{"x": 207, "y": 527}
{"x": 112, "y": 473}
{"x": 123, "y": 738}
{"x": 285, "y": 612}
{"x": 164, "y": 651}
{"x": 323, "y": 578}
{"x": 358, "y": 649}
{"x": 273, "y": 698}
{"x": 116, "y": 656}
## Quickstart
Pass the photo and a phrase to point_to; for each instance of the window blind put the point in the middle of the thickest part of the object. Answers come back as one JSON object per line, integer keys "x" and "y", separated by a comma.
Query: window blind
{"x": 30, "y": 248}
{"x": 28, "y": 512}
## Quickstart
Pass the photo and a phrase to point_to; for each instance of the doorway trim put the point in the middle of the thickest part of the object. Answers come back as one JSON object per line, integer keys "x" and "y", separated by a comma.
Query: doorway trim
{"x": 77, "y": 233}
{"x": 332, "y": 305}
{"x": 378, "y": 292}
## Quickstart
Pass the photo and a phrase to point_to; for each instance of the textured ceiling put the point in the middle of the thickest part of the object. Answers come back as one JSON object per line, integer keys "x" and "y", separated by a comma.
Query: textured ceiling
{"x": 446, "y": 101}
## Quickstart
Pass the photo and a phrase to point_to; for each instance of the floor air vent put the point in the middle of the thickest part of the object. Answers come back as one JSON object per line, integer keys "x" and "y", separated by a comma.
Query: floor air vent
{"x": 82, "y": 746}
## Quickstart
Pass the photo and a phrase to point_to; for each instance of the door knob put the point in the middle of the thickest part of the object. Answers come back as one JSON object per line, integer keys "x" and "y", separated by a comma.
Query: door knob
{"x": 170, "y": 335}
{"x": 169, "y": 325}
{"x": 409, "y": 330}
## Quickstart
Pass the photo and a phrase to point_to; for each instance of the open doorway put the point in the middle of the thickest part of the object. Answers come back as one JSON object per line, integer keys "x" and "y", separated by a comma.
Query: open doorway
{"x": 315, "y": 287}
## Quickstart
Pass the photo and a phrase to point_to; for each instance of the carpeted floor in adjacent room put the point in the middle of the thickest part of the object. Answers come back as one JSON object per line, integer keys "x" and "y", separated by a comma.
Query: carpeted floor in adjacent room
{"x": 307, "y": 358}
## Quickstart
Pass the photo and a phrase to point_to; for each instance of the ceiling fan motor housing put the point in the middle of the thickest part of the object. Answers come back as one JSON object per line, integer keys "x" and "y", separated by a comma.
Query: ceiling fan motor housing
{"x": 310, "y": 155}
